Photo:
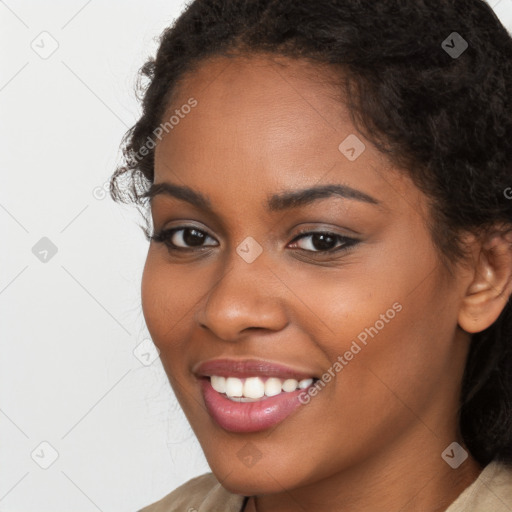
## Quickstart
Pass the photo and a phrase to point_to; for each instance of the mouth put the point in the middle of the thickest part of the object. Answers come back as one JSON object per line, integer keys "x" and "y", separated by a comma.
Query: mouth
{"x": 250, "y": 396}
{"x": 253, "y": 389}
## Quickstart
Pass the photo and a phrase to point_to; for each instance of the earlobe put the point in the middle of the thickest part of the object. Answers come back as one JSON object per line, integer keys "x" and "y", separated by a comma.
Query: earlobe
{"x": 491, "y": 286}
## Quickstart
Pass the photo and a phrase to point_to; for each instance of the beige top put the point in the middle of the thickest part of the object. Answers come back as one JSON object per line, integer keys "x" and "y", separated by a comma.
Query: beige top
{"x": 490, "y": 492}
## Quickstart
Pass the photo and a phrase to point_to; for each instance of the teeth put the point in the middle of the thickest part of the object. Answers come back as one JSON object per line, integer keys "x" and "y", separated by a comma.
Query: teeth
{"x": 234, "y": 387}
{"x": 254, "y": 388}
{"x": 303, "y": 384}
{"x": 218, "y": 383}
{"x": 273, "y": 386}
{"x": 290, "y": 385}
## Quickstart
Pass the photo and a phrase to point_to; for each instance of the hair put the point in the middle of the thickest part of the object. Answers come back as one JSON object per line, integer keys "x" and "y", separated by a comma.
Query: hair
{"x": 446, "y": 119}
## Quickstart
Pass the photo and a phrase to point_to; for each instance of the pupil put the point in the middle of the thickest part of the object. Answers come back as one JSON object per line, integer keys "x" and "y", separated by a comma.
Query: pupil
{"x": 323, "y": 242}
{"x": 193, "y": 239}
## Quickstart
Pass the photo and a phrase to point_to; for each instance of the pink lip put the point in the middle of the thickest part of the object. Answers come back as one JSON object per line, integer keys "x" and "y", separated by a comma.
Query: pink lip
{"x": 249, "y": 368}
{"x": 248, "y": 416}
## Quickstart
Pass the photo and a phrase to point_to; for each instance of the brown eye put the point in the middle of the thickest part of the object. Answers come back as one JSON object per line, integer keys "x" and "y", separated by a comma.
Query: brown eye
{"x": 322, "y": 241}
{"x": 182, "y": 238}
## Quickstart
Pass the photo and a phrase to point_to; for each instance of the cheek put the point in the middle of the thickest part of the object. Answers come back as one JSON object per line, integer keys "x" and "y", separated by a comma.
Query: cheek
{"x": 166, "y": 300}
{"x": 335, "y": 306}
{"x": 397, "y": 357}
{"x": 392, "y": 316}
{"x": 153, "y": 299}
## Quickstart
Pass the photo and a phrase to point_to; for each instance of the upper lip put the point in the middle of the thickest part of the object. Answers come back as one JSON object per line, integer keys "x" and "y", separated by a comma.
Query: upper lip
{"x": 248, "y": 368}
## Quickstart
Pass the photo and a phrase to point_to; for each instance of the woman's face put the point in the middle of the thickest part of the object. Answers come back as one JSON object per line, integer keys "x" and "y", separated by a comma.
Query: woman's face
{"x": 364, "y": 305}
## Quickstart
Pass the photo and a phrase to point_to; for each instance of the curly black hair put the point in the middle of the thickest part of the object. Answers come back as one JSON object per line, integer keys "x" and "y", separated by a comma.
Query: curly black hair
{"x": 428, "y": 82}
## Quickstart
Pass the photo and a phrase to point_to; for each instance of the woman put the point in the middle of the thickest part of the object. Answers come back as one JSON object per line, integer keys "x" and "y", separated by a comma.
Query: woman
{"x": 330, "y": 264}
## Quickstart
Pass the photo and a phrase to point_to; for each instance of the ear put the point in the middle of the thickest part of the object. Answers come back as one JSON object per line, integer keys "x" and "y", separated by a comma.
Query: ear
{"x": 491, "y": 286}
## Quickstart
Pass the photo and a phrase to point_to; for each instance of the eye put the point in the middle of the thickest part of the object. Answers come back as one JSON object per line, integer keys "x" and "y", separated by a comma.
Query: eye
{"x": 189, "y": 238}
{"x": 181, "y": 238}
{"x": 324, "y": 241}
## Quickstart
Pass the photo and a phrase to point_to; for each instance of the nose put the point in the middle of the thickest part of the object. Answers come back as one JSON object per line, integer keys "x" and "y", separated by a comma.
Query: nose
{"x": 247, "y": 296}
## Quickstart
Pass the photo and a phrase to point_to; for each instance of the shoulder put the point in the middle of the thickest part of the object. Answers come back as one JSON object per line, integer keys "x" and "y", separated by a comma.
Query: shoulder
{"x": 199, "y": 494}
{"x": 491, "y": 491}
{"x": 496, "y": 489}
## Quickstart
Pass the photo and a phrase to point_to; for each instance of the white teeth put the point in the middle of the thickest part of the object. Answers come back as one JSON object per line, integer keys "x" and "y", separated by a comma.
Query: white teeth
{"x": 255, "y": 388}
{"x": 305, "y": 383}
{"x": 234, "y": 387}
{"x": 242, "y": 399}
{"x": 290, "y": 385}
{"x": 273, "y": 386}
{"x": 218, "y": 383}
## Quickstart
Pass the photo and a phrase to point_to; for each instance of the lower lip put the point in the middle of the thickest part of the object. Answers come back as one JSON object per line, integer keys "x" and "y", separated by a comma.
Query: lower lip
{"x": 249, "y": 416}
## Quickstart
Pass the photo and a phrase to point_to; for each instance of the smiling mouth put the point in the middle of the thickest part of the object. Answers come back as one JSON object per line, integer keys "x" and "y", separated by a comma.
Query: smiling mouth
{"x": 247, "y": 414}
{"x": 250, "y": 395}
{"x": 254, "y": 389}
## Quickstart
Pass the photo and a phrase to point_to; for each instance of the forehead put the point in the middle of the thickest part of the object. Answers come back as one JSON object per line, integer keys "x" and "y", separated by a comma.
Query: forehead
{"x": 271, "y": 89}
{"x": 264, "y": 123}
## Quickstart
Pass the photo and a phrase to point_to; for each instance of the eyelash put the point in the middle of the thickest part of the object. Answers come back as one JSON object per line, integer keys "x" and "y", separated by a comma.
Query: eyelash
{"x": 164, "y": 236}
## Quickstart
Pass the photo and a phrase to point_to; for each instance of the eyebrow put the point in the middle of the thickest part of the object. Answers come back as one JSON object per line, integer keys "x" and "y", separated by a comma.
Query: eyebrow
{"x": 277, "y": 202}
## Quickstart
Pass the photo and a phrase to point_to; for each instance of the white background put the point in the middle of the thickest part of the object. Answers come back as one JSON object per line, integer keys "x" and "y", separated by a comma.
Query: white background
{"x": 69, "y": 325}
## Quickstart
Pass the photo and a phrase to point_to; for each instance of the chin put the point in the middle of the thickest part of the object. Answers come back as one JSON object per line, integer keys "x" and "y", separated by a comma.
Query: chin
{"x": 263, "y": 478}
{"x": 254, "y": 482}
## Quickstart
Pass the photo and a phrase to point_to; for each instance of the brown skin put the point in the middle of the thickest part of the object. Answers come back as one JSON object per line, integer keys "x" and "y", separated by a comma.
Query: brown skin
{"x": 372, "y": 438}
